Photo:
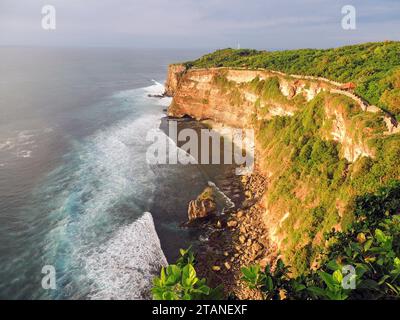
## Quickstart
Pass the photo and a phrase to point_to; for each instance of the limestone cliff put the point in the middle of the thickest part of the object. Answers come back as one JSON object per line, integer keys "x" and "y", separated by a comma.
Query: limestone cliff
{"x": 175, "y": 73}
{"x": 228, "y": 96}
{"x": 298, "y": 205}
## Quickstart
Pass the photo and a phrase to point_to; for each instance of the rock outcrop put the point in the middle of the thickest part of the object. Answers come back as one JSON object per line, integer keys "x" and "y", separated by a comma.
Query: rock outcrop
{"x": 203, "y": 206}
{"x": 174, "y": 75}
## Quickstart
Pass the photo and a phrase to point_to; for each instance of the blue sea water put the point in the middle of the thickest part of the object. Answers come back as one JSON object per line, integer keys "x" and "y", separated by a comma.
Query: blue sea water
{"x": 76, "y": 192}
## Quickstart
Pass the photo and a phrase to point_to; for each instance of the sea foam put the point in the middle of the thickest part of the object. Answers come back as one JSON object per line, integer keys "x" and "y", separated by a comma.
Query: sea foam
{"x": 123, "y": 267}
{"x": 104, "y": 253}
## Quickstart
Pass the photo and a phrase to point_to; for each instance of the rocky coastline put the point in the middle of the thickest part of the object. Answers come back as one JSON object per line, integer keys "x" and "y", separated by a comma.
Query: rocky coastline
{"x": 238, "y": 237}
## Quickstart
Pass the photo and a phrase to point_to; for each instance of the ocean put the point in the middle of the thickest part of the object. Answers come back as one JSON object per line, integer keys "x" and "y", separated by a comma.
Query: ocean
{"x": 76, "y": 191}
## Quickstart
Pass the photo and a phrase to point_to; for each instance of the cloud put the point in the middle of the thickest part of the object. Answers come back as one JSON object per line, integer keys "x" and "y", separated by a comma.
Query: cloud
{"x": 193, "y": 23}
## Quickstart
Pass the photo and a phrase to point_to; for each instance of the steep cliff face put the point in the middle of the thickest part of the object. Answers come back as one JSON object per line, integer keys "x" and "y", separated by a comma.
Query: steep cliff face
{"x": 237, "y": 98}
{"x": 226, "y": 96}
{"x": 315, "y": 143}
{"x": 175, "y": 73}
{"x": 199, "y": 97}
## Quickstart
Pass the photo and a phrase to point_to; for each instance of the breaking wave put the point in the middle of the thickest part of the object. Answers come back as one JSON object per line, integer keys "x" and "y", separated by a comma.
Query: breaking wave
{"x": 102, "y": 245}
{"x": 124, "y": 266}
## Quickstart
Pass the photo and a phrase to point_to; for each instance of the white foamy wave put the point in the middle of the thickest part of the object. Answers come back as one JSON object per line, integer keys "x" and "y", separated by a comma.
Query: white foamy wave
{"x": 23, "y": 142}
{"x": 122, "y": 268}
{"x": 141, "y": 95}
{"x": 107, "y": 174}
{"x": 158, "y": 89}
{"x": 112, "y": 167}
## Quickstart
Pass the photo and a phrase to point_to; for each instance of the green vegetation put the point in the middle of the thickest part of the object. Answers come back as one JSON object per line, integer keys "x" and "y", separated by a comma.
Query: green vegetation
{"x": 268, "y": 89}
{"x": 373, "y": 67}
{"x": 329, "y": 192}
{"x": 180, "y": 282}
{"x": 313, "y": 181}
{"x": 361, "y": 263}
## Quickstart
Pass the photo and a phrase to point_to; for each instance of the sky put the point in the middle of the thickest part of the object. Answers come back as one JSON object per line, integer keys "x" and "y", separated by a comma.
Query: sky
{"x": 260, "y": 24}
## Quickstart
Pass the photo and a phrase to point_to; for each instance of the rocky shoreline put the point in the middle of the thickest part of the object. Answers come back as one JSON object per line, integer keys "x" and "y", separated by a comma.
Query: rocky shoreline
{"x": 234, "y": 239}
{"x": 239, "y": 238}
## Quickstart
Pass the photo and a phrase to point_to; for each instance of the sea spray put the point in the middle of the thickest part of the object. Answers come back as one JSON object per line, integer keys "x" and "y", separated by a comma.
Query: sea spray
{"x": 122, "y": 268}
{"x": 107, "y": 185}
{"x": 71, "y": 169}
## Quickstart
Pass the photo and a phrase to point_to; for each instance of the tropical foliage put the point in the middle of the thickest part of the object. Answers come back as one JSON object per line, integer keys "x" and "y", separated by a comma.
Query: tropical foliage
{"x": 373, "y": 67}
{"x": 341, "y": 239}
{"x": 314, "y": 181}
{"x": 180, "y": 282}
{"x": 361, "y": 263}
{"x": 365, "y": 267}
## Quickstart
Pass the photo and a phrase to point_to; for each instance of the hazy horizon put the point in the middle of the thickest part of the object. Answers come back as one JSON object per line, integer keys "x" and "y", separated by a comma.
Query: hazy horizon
{"x": 179, "y": 24}
{"x": 180, "y": 48}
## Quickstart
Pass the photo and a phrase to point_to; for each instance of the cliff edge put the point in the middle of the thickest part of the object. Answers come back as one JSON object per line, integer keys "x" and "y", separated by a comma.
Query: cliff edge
{"x": 319, "y": 146}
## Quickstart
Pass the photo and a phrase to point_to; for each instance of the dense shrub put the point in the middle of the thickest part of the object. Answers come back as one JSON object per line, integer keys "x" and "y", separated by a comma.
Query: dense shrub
{"x": 372, "y": 66}
{"x": 180, "y": 282}
{"x": 311, "y": 173}
{"x": 315, "y": 183}
{"x": 371, "y": 247}
{"x": 362, "y": 263}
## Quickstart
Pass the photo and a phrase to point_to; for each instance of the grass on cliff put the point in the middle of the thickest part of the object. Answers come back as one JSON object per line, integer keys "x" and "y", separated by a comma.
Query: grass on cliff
{"x": 268, "y": 90}
{"x": 362, "y": 263}
{"x": 312, "y": 180}
{"x": 373, "y": 67}
{"x": 369, "y": 249}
